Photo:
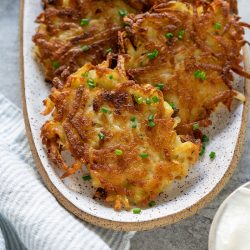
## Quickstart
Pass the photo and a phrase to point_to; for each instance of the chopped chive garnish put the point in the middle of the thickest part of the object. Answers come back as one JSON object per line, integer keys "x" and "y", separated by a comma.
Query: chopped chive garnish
{"x": 84, "y": 22}
{"x": 123, "y": 13}
{"x": 55, "y": 64}
{"x": 143, "y": 155}
{"x": 180, "y": 34}
{"x": 152, "y": 203}
{"x": 136, "y": 210}
{"x": 134, "y": 125}
{"x": 151, "y": 124}
{"x": 151, "y": 117}
{"x": 104, "y": 110}
{"x": 139, "y": 100}
{"x": 212, "y": 155}
{"x": 85, "y": 74}
{"x": 196, "y": 126}
{"x": 85, "y": 48}
{"x": 172, "y": 105}
{"x": 217, "y": 26}
{"x": 118, "y": 152}
{"x": 148, "y": 101}
{"x": 205, "y": 138}
{"x": 202, "y": 151}
{"x": 86, "y": 177}
{"x": 153, "y": 54}
{"x": 110, "y": 77}
{"x": 169, "y": 35}
{"x": 133, "y": 119}
{"x": 198, "y": 74}
{"x": 109, "y": 50}
{"x": 160, "y": 86}
{"x": 155, "y": 99}
{"x": 101, "y": 136}
{"x": 91, "y": 83}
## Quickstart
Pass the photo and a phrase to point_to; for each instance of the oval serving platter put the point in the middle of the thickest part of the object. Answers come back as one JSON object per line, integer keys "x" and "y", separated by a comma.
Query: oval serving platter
{"x": 179, "y": 201}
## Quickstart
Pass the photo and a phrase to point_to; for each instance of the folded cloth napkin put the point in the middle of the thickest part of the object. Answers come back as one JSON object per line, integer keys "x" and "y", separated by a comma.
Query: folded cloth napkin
{"x": 30, "y": 216}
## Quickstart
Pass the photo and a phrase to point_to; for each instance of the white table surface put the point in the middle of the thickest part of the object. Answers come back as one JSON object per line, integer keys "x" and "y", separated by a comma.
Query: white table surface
{"x": 189, "y": 234}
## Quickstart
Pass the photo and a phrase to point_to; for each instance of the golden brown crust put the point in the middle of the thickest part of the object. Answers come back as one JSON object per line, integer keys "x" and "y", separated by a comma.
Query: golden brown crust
{"x": 210, "y": 42}
{"x": 93, "y": 121}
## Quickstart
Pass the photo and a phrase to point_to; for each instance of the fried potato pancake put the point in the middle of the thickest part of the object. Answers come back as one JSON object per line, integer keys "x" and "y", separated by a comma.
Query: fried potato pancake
{"x": 121, "y": 131}
{"x": 73, "y": 32}
{"x": 188, "y": 51}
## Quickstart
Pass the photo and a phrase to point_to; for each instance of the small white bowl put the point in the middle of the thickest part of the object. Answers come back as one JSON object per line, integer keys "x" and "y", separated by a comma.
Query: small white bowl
{"x": 230, "y": 228}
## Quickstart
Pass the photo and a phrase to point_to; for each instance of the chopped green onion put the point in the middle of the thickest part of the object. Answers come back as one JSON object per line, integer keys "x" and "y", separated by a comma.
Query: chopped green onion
{"x": 169, "y": 35}
{"x": 104, "y": 110}
{"x": 86, "y": 177}
{"x": 212, "y": 155}
{"x": 153, "y": 54}
{"x": 85, "y": 74}
{"x": 151, "y": 117}
{"x": 196, "y": 126}
{"x": 85, "y": 48}
{"x": 139, "y": 100}
{"x": 152, "y": 203}
{"x": 109, "y": 50}
{"x": 55, "y": 64}
{"x": 155, "y": 99}
{"x": 84, "y": 22}
{"x": 205, "y": 138}
{"x": 136, "y": 210}
{"x": 118, "y": 152}
{"x": 101, "y": 136}
{"x": 123, "y": 13}
{"x": 181, "y": 34}
{"x": 148, "y": 101}
{"x": 151, "y": 124}
{"x": 110, "y": 77}
{"x": 217, "y": 26}
{"x": 134, "y": 125}
{"x": 133, "y": 119}
{"x": 203, "y": 149}
{"x": 160, "y": 86}
{"x": 198, "y": 74}
{"x": 91, "y": 83}
{"x": 143, "y": 155}
{"x": 172, "y": 105}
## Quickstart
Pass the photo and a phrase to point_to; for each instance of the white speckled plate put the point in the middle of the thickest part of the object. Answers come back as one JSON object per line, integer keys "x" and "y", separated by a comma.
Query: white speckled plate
{"x": 182, "y": 199}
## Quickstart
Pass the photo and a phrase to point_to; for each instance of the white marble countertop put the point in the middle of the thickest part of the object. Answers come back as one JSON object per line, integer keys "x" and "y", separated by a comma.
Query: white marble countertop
{"x": 189, "y": 234}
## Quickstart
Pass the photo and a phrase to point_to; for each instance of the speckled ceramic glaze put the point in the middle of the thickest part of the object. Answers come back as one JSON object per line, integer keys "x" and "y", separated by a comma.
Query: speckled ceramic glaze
{"x": 183, "y": 198}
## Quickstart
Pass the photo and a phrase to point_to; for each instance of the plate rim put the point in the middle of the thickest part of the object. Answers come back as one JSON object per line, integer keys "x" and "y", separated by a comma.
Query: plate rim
{"x": 132, "y": 226}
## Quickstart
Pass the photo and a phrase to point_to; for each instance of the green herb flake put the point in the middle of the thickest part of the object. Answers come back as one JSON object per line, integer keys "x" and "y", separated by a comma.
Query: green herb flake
{"x": 151, "y": 203}
{"x": 136, "y": 210}
{"x": 84, "y": 22}
{"x": 86, "y": 177}
{"x": 104, "y": 110}
{"x": 91, "y": 83}
{"x": 198, "y": 74}
{"x": 133, "y": 118}
{"x": 172, "y": 105}
{"x": 151, "y": 124}
{"x": 148, "y": 101}
{"x": 139, "y": 100}
{"x": 101, "y": 136}
{"x": 118, "y": 152}
{"x": 205, "y": 138}
{"x": 217, "y": 26}
{"x": 151, "y": 117}
{"x": 109, "y": 50}
{"x": 160, "y": 86}
{"x": 85, "y": 74}
{"x": 55, "y": 65}
{"x": 196, "y": 126}
{"x": 169, "y": 35}
{"x": 134, "y": 125}
{"x": 212, "y": 155}
{"x": 111, "y": 77}
{"x": 122, "y": 13}
{"x": 155, "y": 99}
{"x": 85, "y": 48}
{"x": 181, "y": 34}
{"x": 153, "y": 55}
{"x": 203, "y": 149}
{"x": 143, "y": 155}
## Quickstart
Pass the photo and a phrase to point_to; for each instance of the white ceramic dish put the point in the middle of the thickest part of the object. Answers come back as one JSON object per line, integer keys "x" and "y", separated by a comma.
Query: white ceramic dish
{"x": 182, "y": 199}
{"x": 231, "y": 224}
